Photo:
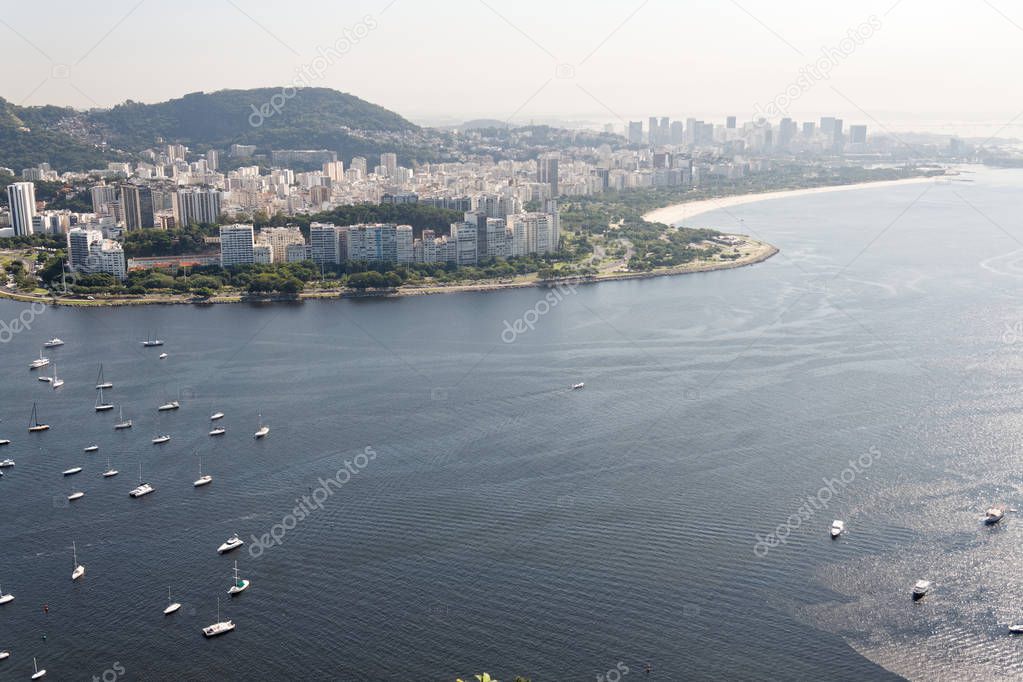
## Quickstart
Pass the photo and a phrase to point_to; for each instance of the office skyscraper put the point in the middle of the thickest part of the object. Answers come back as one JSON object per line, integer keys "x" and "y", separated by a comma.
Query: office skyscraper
{"x": 547, "y": 172}
{"x": 137, "y": 206}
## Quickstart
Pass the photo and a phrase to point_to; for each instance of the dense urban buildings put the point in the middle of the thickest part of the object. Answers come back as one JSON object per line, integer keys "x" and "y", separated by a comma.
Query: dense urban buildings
{"x": 510, "y": 207}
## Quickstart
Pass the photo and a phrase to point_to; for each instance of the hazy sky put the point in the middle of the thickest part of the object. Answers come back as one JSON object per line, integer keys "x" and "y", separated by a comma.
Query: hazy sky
{"x": 922, "y": 61}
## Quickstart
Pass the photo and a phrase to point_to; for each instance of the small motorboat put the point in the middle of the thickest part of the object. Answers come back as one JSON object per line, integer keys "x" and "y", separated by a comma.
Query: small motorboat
{"x": 6, "y": 464}
{"x": 218, "y": 415}
{"x": 993, "y": 515}
{"x": 53, "y": 343}
{"x": 72, "y": 471}
{"x": 46, "y": 380}
{"x": 921, "y": 588}
{"x": 172, "y": 405}
{"x": 576, "y": 387}
{"x": 5, "y": 442}
{"x": 837, "y": 528}
{"x": 40, "y": 362}
{"x": 75, "y": 496}
{"x": 4, "y": 654}
{"x": 163, "y": 356}
{"x": 160, "y": 440}
{"x": 92, "y": 448}
{"x": 218, "y": 432}
{"x": 232, "y": 543}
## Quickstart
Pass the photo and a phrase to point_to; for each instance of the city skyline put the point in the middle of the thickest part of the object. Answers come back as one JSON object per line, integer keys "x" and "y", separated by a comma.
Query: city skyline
{"x": 620, "y": 62}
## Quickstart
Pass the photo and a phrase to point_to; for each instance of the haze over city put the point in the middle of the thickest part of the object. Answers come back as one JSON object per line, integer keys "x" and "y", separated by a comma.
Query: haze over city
{"x": 926, "y": 66}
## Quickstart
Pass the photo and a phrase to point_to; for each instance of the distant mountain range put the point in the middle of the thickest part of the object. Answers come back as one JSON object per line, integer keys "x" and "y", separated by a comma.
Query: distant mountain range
{"x": 270, "y": 118}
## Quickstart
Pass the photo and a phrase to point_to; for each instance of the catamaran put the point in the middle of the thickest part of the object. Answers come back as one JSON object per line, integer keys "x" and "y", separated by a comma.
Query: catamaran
{"x": 263, "y": 430}
{"x": 79, "y": 569}
{"x": 123, "y": 423}
{"x": 5, "y": 598}
{"x": 40, "y": 362}
{"x": 172, "y": 606}
{"x": 240, "y": 584}
{"x": 53, "y": 343}
{"x": 142, "y": 489}
{"x": 33, "y": 423}
{"x": 220, "y": 627}
{"x": 101, "y": 404}
{"x": 100, "y": 383}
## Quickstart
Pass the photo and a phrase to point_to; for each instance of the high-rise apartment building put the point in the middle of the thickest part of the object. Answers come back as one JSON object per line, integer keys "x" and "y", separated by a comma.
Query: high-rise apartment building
{"x": 195, "y": 205}
{"x": 137, "y": 207}
{"x": 21, "y": 199}
{"x": 237, "y": 245}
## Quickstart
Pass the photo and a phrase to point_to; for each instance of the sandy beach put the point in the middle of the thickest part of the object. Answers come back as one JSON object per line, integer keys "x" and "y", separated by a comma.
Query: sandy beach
{"x": 682, "y": 213}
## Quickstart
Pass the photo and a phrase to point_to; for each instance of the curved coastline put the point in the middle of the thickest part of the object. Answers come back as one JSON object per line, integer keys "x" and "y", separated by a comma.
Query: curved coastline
{"x": 673, "y": 215}
{"x": 679, "y": 213}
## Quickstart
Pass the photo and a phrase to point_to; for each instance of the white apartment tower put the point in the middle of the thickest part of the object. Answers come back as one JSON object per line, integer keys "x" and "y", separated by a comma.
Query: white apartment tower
{"x": 21, "y": 198}
{"x": 237, "y": 246}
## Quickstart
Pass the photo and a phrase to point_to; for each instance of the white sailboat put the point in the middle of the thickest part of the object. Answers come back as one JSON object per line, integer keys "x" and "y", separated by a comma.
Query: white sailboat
{"x": 123, "y": 423}
{"x": 263, "y": 431}
{"x": 240, "y": 584}
{"x": 100, "y": 383}
{"x": 75, "y": 496}
{"x": 38, "y": 673}
{"x": 142, "y": 489}
{"x": 79, "y": 569}
{"x": 220, "y": 627}
{"x": 56, "y": 382}
{"x": 4, "y": 441}
{"x": 218, "y": 431}
{"x": 33, "y": 424}
{"x": 5, "y": 598}
{"x": 72, "y": 471}
{"x": 169, "y": 407}
{"x": 101, "y": 404}
{"x": 151, "y": 342}
{"x": 203, "y": 479}
{"x": 40, "y": 362}
{"x": 110, "y": 472}
{"x": 172, "y": 606}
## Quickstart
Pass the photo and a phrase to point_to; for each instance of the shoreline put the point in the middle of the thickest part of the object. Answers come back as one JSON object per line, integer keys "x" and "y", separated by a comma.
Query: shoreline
{"x": 678, "y": 213}
{"x": 673, "y": 215}
{"x": 760, "y": 252}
